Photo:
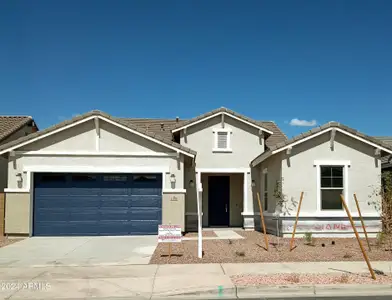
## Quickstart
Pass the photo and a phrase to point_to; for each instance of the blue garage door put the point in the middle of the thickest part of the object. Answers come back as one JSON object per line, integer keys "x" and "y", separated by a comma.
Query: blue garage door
{"x": 97, "y": 204}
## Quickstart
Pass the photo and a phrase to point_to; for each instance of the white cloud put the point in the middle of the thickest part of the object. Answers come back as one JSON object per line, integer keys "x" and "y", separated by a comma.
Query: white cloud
{"x": 298, "y": 122}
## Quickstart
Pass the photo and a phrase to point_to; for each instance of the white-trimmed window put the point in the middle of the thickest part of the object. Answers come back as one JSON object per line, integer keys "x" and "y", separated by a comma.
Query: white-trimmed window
{"x": 222, "y": 140}
{"x": 332, "y": 181}
{"x": 332, "y": 186}
{"x": 265, "y": 189}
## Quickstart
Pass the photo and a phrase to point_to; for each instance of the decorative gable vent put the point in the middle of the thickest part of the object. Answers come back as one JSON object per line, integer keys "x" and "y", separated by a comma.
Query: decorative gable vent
{"x": 222, "y": 140}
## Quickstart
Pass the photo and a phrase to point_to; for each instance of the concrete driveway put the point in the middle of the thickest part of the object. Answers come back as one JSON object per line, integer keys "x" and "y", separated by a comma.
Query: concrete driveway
{"x": 78, "y": 251}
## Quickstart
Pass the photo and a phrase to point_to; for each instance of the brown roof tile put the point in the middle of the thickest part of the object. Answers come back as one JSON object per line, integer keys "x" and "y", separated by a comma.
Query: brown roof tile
{"x": 10, "y": 124}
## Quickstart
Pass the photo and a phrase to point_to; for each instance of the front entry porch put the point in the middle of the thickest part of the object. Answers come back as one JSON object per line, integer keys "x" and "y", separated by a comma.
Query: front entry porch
{"x": 225, "y": 197}
{"x": 222, "y": 199}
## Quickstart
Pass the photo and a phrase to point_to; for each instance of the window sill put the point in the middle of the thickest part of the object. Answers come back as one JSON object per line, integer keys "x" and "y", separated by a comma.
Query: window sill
{"x": 217, "y": 150}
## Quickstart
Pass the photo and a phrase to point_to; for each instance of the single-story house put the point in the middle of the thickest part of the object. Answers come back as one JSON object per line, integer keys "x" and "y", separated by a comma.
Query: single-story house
{"x": 101, "y": 175}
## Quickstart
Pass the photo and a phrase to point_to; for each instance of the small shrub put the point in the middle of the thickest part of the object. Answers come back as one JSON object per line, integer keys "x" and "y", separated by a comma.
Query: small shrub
{"x": 230, "y": 242}
{"x": 347, "y": 255}
{"x": 240, "y": 253}
{"x": 344, "y": 278}
{"x": 333, "y": 243}
{"x": 322, "y": 245}
{"x": 380, "y": 238}
{"x": 308, "y": 238}
{"x": 294, "y": 278}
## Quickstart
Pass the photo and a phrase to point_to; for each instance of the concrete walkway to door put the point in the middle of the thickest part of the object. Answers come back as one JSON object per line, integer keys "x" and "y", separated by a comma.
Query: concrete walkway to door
{"x": 79, "y": 251}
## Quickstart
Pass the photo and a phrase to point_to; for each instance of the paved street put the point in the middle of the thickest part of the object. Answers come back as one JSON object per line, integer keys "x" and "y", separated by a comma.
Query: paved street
{"x": 202, "y": 281}
{"x": 78, "y": 251}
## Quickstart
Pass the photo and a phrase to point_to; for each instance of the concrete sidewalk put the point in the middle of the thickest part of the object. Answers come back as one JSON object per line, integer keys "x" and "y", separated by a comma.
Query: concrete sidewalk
{"x": 200, "y": 281}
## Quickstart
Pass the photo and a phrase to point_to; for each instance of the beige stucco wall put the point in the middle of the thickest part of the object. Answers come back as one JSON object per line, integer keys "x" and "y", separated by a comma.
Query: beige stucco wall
{"x": 299, "y": 172}
{"x": 245, "y": 143}
{"x": 82, "y": 138}
{"x": 17, "y": 213}
{"x": 173, "y": 209}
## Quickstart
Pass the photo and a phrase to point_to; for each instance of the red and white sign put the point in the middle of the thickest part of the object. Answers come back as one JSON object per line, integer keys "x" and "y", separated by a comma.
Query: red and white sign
{"x": 169, "y": 234}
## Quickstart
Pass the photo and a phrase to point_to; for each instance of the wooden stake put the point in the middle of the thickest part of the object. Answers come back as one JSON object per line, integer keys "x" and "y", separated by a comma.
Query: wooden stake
{"x": 262, "y": 221}
{"x": 296, "y": 221}
{"x": 362, "y": 222}
{"x": 357, "y": 236}
{"x": 170, "y": 249}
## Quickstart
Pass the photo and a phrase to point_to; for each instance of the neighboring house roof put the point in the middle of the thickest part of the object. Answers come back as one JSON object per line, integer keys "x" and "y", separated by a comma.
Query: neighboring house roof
{"x": 318, "y": 131}
{"x": 11, "y": 124}
{"x": 386, "y": 161}
{"x": 219, "y": 111}
{"x": 96, "y": 113}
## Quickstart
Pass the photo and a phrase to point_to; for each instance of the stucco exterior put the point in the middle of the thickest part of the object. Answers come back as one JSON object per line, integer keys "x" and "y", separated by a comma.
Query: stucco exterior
{"x": 18, "y": 214}
{"x": 246, "y": 143}
{"x": 363, "y": 178}
{"x": 82, "y": 138}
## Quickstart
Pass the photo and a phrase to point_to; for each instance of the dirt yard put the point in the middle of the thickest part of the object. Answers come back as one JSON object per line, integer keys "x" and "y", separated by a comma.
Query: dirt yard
{"x": 6, "y": 241}
{"x": 292, "y": 279}
{"x": 252, "y": 249}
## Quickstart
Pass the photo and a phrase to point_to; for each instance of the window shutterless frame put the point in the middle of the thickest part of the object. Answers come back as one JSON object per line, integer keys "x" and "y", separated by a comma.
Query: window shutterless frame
{"x": 343, "y": 163}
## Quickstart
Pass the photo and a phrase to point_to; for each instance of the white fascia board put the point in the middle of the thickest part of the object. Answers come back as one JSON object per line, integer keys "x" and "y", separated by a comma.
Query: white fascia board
{"x": 104, "y": 119}
{"x": 223, "y": 113}
{"x": 94, "y": 153}
{"x": 96, "y": 169}
{"x": 327, "y": 130}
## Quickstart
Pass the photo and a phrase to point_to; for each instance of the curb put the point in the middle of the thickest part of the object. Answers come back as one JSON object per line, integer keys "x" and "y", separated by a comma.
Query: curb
{"x": 314, "y": 291}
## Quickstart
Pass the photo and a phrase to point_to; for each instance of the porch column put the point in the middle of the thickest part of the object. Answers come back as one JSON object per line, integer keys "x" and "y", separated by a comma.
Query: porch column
{"x": 199, "y": 199}
{"x": 248, "y": 214}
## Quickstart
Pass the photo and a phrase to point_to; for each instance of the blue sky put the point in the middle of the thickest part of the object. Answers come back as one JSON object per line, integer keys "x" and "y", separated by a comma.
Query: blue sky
{"x": 270, "y": 60}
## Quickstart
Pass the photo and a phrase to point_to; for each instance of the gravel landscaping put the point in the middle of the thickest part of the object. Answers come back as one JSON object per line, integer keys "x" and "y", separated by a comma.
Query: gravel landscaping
{"x": 6, "y": 241}
{"x": 293, "y": 279}
{"x": 251, "y": 249}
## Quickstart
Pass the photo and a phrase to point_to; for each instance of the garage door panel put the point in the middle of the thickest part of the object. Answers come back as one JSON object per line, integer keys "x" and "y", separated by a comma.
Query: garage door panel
{"x": 145, "y": 201}
{"x": 144, "y": 214}
{"x": 144, "y": 227}
{"x": 49, "y": 215}
{"x": 114, "y": 201}
{"x": 114, "y": 228}
{"x": 84, "y": 191}
{"x": 85, "y": 215}
{"x": 114, "y": 214}
{"x": 97, "y": 204}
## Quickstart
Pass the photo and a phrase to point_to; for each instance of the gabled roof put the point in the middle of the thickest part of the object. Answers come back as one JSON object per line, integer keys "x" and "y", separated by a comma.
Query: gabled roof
{"x": 11, "y": 124}
{"x": 318, "y": 131}
{"x": 87, "y": 116}
{"x": 217, "y": 112}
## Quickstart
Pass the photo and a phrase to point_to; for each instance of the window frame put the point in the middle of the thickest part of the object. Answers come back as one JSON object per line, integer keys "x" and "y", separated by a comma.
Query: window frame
{"x": 265, "y": 190}
{"x": 216, "y": 131}
{"x": 333, "y": 163}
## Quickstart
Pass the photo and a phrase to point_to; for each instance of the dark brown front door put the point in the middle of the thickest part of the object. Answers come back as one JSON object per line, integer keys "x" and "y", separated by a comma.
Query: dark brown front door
{"x": 219, "y": 200}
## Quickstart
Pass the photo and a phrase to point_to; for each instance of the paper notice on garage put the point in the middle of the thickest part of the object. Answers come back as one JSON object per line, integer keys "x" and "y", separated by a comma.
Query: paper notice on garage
{"x": 169, "y": 234}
